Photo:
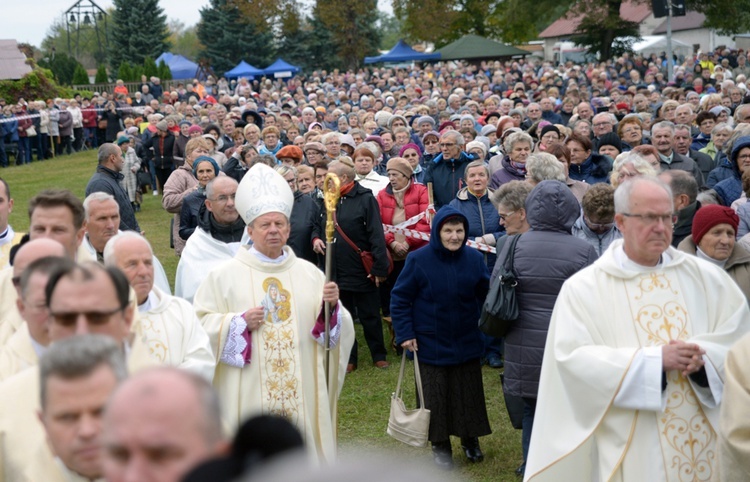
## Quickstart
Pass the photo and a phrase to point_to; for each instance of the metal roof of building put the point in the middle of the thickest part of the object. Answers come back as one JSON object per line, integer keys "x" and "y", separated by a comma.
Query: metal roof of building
{"x": 564, "y": 26}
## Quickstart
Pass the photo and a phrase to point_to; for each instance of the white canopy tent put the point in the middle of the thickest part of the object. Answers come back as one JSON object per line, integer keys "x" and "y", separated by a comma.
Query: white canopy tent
{"x": 656, "y": 44}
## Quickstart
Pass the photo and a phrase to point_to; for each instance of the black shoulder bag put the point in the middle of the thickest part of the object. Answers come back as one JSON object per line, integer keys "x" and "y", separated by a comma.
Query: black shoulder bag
{"x": 500, "y": 308}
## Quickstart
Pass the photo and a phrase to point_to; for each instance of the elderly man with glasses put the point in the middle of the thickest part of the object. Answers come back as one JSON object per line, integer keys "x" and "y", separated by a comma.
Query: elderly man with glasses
{"x": 657, "y": 324}
{"x": 445, "y": 171}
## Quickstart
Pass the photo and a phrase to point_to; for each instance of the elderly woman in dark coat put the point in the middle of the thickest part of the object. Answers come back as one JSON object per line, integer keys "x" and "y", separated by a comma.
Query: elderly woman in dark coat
{"x": 435, "y": 306}
{"x": 545, "y": 256}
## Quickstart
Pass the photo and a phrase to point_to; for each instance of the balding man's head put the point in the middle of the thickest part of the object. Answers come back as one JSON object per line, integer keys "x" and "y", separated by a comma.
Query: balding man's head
{"x": 34, "y": 250}
{"x": 163, "y": 410}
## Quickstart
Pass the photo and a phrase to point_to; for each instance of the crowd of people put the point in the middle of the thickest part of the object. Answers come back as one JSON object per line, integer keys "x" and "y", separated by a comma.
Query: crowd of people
{"x": 620, "y": 195}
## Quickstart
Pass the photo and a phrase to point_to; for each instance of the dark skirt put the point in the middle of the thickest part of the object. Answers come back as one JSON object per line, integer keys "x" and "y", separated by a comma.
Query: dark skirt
{"x": 455, "y": 397}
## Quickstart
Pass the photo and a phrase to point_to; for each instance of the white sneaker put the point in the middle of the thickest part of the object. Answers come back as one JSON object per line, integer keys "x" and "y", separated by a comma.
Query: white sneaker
{"x": 156, "y": 193}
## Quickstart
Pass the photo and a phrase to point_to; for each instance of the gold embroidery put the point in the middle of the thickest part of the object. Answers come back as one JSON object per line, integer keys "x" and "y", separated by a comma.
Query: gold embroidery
{"x": 279, "y": 348}
{"x": 151, "y": 338}
{"x": 687, "y": 438}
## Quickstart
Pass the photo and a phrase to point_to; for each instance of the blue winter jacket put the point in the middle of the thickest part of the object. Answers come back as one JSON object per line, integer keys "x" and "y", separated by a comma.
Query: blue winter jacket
{"x": 438, "y": 298}
{"x": 730, "y": 189}
{"x": 593, "y": 170}
{"x": 447, "y": 177}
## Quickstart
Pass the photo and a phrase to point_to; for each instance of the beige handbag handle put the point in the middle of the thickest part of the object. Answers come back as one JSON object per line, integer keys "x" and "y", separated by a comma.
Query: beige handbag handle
{"x": 399, "y": 390}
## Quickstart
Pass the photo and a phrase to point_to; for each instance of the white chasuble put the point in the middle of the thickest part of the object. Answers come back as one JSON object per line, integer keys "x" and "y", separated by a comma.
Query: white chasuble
{"x": 285, "y": 375}
{"x": 601, "y": 414}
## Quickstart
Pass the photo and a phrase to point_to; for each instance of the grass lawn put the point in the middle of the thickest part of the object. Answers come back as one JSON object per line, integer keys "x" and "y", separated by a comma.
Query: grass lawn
{"x": 365, "y": 401}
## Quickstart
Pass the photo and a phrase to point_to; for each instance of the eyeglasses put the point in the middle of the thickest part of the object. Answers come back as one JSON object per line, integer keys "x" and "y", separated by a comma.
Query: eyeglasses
{"x": 743, "y": 157}
{"x": 92, "y": 317}
{"x": 504, "y": 217}
{"x": 223, "y": 198}
{"x": 447, "y": 144}
{"x": 602, "y": 124}
{"x": 596, "y": 226}
{"x": 651, "y": 219}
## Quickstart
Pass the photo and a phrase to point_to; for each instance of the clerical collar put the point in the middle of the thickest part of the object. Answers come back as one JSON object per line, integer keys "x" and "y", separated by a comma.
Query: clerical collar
{"x": 628, "y": 264}
{"x": 150, "y": 302}
{"x": 265, "y": 258}
{"x": 39, "y": 349}
{"x": 699, "y": 253}
{"x": 7, "y": 235}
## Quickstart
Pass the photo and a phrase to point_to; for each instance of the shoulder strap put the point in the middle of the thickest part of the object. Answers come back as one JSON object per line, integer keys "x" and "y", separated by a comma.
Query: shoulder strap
{"x": 343, "y": 235}
{"x": 511, "y": 252}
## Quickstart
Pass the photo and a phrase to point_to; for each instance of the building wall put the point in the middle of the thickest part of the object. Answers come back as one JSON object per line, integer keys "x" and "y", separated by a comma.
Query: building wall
{"x": 707, "y": 39}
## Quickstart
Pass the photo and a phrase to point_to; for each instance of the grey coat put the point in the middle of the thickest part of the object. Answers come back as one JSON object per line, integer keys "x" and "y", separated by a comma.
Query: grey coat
{"x": 546, "y": 256}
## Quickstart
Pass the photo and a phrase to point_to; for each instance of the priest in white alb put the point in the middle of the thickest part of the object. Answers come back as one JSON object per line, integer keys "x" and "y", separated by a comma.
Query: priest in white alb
{"x": 264, "y": 312}
{"x": 166, "y": 324}
{"x": 633, "y": 368}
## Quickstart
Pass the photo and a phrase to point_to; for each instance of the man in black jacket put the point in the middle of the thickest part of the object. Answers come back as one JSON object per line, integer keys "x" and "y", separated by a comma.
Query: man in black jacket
{"x": 685, "y": 200}
{"x": 107, "y": 179}
{"x": 358, "y": 217}
{"x": 161, "y": 147}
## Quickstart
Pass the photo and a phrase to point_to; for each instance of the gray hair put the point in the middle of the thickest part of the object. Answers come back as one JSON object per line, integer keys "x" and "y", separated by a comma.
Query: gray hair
{"x": 720, "y": 127}
{"x": 372, "y": 147}
{"x": 79, "y": 356}
{"x": 110, "y": 249}
{"x": 342, "y": 168}
{"x": 456, "y": 136}
{"x": 512, "y": 195}
{"x": 515, "y": 138}
{"x": 98, "y": 196}
{"x": 105, "y": 150}
{"x": 639, "y": 164}
{"x": 663, "y": 125}
{"x": 682, "y": 182}
{"x": 284, "y": 170}
{"x": 610, "y": 117}
{"x": 329, "y": 136}
{"x": 543, "y": 166}
{"x": 685, "y": 106}
{"x": 211, "y": 185}
{"x": 477, "y": 163}
{"x": 625, "y": 190}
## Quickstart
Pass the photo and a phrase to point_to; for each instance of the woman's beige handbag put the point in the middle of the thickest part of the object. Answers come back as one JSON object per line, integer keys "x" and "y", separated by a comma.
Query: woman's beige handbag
{"x": 409, "y": 426}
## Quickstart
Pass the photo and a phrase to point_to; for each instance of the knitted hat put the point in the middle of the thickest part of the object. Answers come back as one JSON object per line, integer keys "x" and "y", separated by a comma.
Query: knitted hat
{"x": 445, "y": 125}
{"x": 410, "y": 145}
{"x": 471, "y": 145}
{"x": 195, "y": 128}
{"x": 122, "y": 140}
{"x": 399, "y": 164}
{"x": 290, "y": 152}
{"x": 711, "y": 215}
{"x": 611, "y": 139}
{"x": 205, "y": 159}
{"x": 162, "y": 125}
{"x": 431, "y": 133}
{"x": 549, "y": 128}
{"x": 425, "y": 118}
{"x": 488, "y": 129}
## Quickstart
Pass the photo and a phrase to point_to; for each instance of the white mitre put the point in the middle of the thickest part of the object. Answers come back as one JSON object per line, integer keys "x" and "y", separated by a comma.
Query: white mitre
{"x": 263, "y": 190}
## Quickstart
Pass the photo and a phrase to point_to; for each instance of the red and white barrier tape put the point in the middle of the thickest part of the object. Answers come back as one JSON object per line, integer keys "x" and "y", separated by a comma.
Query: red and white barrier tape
{"x": 411, "y": 233}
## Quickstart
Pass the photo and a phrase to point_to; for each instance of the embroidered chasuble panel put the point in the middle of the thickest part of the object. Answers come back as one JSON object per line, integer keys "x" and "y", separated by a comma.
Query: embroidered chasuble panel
{"x": 279, "y": 354}
{"x": 656, "y": 304}
{"x": 155, "y": 338}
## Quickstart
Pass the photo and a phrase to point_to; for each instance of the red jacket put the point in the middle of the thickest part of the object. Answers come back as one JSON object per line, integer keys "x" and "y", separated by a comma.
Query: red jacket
{"x": 89, "y": 117}
{"x": 415, "y": 202}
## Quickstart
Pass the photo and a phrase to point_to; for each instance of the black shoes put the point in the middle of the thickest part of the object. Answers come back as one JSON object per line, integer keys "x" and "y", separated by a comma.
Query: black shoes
{"x": 442, "y": 454}
{"x": 472, "y": 450}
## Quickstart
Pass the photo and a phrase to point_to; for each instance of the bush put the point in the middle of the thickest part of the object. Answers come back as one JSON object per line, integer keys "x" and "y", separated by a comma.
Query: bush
{"x": 80, "y": 77}
{"x": 150, "y": 68}
{"x": 125, "y": 72}
{"x": 101, "y": 75}
{"x": 164, "y": 72}
{"x": 37, "y": 84}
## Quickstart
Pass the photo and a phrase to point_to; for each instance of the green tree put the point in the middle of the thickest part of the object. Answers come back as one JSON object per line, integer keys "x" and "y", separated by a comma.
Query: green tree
{"x": 139, "y": 30}
{"x": 601, "y": 25}
{"x": 184, "y": 40}
{"x": 443, "y": 21}
{"x": 163, "y": 71}
{"x": 149, "y": 67}
{"x": 80, "y": 77}
{"x": 101, "y": 75}
{"x": 83, "y": 43}
{"x": 728, "y": 17}
{"x": 62, "y": 66}
{"x": 125, "y": 72}
{"x": 229, "y": 37}
{"x": 390, "y": 29}
{"x": 353, "y": 27}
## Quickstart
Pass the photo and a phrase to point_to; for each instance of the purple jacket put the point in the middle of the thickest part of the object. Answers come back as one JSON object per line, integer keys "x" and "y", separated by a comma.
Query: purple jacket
{"x": 506, "y": 173}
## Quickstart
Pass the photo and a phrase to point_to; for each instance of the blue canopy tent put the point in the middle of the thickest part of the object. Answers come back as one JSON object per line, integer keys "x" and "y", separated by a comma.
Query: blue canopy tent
{"x": 243, "y": 69}
{"x": 181, "y": 67}
{"x": 280, "y": 69}
{"x": 402, "y": 53}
